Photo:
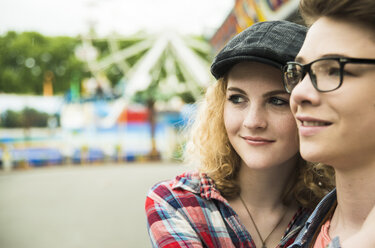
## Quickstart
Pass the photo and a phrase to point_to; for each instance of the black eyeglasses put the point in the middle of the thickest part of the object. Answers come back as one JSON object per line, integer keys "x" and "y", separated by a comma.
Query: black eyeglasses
{"x": 326, "y": 74}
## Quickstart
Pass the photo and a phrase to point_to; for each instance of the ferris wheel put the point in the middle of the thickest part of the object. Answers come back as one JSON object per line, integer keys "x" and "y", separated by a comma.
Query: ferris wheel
{"x": 167, "y": 50}
{"x": 176, "y": 63}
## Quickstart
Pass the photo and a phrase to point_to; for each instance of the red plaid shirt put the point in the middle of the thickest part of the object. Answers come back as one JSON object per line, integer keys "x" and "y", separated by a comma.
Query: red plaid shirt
{"x": 190, "y": 212}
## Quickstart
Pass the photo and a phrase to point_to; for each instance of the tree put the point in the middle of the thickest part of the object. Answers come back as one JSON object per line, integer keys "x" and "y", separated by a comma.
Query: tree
{"x": 26, "y": 57}
{"x": 26, "y": 118}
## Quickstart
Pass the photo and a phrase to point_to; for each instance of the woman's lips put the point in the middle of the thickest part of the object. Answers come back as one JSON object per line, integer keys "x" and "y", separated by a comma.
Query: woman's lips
{"x": 309, "y": 126}
{"x": 257, "y": 141}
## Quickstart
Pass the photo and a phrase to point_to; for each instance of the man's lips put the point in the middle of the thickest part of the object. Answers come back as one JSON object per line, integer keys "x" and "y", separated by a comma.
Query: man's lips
{"x": 309, "y": 126}
{"x": 307, "y": 121}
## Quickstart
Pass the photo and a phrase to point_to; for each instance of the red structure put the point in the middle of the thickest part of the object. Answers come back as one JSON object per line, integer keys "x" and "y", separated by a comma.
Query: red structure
{"x": 133, "y": 115}
{"x": 247, "y": 12}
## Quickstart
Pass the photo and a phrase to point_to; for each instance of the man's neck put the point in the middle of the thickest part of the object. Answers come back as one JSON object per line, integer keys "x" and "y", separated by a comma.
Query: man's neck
{"x": 355, "y": 199}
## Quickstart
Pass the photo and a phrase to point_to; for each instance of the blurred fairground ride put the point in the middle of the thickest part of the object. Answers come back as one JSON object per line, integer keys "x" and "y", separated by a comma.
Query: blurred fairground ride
{"x": 139, "y": 119}
{"x": 159, "y": 77}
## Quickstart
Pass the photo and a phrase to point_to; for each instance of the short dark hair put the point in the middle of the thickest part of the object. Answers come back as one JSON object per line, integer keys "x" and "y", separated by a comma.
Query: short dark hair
{"x": 356, "y": 11}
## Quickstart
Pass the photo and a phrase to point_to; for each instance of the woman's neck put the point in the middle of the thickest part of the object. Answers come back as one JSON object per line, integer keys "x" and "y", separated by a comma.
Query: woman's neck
{"x": 263, "y": 188}
{"x": 261, "y": 192}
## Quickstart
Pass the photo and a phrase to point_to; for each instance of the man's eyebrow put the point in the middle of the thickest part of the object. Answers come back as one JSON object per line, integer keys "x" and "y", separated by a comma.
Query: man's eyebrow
{"x": 301, "y": 60}
{"x": 334, "y": 55}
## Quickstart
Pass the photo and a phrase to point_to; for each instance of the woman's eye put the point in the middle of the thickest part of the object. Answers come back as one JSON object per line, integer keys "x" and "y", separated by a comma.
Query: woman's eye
{"x": 236, "y": 99}
{"x": 278, "y": 101}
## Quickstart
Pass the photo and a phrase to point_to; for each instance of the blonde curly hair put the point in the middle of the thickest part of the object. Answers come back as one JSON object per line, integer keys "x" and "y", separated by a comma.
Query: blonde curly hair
{"x": 208, "y": 147}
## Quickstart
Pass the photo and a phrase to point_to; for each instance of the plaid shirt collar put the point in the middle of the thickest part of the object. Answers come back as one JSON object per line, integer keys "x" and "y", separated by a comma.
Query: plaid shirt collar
{"x": 199, "y": 183}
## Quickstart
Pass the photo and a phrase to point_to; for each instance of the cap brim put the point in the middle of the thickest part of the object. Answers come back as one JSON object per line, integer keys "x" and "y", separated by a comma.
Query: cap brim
{"x": 219, "y": 69}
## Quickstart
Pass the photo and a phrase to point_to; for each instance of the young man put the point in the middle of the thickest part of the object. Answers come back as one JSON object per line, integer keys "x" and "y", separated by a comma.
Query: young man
{"x": 333, "y": 101}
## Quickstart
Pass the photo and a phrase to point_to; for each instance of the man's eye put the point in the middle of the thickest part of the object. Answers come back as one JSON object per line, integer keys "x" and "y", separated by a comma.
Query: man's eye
{"x": 333, "y": 71}
{"x": 236, "y": 99}
{"x": 278, "y": 101}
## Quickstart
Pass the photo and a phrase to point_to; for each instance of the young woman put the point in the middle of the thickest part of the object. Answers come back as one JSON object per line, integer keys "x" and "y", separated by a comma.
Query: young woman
{"x": 333, "y": 100}
{"x": 251, "y": 188}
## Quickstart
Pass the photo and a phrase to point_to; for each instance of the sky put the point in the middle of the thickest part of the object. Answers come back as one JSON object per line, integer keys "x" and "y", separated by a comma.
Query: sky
{"x": 125, "y": 17}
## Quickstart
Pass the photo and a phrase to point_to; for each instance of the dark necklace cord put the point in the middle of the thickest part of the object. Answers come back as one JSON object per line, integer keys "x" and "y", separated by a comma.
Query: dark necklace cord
{"x": 256, "y": 228}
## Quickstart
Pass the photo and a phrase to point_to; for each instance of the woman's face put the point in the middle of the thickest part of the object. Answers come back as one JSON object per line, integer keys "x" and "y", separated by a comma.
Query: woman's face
{"x": 337, "y": 127}
{"x": 257, "y": 117}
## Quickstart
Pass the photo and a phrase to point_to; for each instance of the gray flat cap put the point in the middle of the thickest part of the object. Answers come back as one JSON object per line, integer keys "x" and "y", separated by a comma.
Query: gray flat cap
{"x": 271, "y": 42}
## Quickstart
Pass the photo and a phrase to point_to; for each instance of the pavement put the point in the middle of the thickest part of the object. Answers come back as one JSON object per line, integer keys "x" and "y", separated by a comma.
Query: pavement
{"x": 79, "y": 206}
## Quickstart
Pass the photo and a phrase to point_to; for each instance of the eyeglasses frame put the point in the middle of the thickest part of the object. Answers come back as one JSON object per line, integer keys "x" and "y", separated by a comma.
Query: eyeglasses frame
{"x": 306, "y": 68}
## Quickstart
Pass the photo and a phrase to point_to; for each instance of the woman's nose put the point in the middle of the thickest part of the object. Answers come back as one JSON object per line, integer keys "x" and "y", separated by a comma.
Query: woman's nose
{"x": 255, "y": 118}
